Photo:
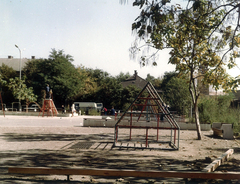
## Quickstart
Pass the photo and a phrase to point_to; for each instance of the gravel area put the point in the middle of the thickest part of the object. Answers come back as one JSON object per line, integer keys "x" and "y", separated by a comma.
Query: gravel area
{"x": 66, "y": 144}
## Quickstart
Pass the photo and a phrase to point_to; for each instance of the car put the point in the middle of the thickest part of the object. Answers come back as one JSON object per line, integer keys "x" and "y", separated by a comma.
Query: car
{"x": 32, "y": 107}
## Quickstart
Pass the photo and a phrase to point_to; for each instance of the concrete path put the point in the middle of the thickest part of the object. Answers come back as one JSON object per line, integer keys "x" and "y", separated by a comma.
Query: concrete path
{"x": 35, "y": 121}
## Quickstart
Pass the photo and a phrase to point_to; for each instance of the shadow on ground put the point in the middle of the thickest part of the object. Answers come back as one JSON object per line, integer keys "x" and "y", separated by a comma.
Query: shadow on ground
{"x": 74, "y": 157}
{"x": 13, "y": 137}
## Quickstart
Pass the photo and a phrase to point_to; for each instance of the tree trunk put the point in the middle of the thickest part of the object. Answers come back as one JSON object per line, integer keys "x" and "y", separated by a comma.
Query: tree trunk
{"x": 199, "y": 134}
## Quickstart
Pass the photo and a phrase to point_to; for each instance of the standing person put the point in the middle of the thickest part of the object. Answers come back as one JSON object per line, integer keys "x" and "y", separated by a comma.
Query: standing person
{"x": 63, "y": 109}
{"x": 47, "y": 91}
{"x": 50, "y": 94}
{"x": 105, "y": 110}
{"x": 112, "y": 112}
{"x": 73, "y": 109}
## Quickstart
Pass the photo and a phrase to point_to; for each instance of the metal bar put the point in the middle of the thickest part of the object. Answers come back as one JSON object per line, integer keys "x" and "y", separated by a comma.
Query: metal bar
{"x": 158, "y": 127}
{"x": 144, "y": 106}
{"x": 130, "y": 105}
{"x": 146, "y": 137}
{"x": 144, "y": 113}
{"x": 131, "y": 126}
{"x": 143, "y": 127}
{"x": 175, "y": 136}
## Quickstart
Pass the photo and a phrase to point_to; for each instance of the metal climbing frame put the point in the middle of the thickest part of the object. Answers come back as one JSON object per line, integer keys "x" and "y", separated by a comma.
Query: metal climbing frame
{"x": 48, "y": 107}
{"x": 146, "y": 113}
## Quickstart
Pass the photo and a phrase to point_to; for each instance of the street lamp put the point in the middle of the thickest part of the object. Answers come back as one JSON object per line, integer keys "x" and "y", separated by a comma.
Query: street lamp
{"x": 20, "y": 73}
{"x": 20, "y": 63}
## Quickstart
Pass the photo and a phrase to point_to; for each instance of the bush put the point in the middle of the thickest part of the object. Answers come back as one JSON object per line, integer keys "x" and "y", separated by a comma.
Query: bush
{"x": 217, "y": 109}
{"x": 92, "y": 112}
{"x": 207, "y": 108}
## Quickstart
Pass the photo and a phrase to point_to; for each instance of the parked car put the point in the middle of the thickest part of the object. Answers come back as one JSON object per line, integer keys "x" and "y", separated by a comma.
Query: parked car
{"x": 32, "y": 107}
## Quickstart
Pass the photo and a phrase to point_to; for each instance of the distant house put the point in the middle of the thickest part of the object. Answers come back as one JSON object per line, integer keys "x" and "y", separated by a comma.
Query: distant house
{"x": 14, "y": 62}
{"x": 135, "y": 80}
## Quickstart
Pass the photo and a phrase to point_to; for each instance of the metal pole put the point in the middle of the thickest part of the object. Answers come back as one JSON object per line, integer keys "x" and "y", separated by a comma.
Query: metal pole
{"x": 20, "y": 73}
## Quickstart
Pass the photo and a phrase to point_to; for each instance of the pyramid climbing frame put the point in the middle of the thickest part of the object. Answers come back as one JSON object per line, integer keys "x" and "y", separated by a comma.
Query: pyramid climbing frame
{"x": 147, "y": 115}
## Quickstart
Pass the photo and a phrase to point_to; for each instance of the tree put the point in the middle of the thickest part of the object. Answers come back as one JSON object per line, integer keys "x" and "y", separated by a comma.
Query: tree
{"x": 128, "y": 96}
{"x": 122, "y": 77}
{"x": 58, "y": 72}
{"x": 89, "y": 84}
{"x": 6, "y": 73}
{"x": 196, "y": 37}
{"x": 177, "y": 95}
{"x": 110, "y": 93}
{"x": 150, "y": 78}
{"x": 166, "y": 78}
{"x": 21, "y": 91}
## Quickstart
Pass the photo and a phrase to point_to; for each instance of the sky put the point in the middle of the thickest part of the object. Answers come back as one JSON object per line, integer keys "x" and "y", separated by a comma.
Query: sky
{"x": 97, "y": 33}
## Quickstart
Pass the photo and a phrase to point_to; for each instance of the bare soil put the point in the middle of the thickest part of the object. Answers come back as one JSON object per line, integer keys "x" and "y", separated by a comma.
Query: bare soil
{"x": 88, "y": 147}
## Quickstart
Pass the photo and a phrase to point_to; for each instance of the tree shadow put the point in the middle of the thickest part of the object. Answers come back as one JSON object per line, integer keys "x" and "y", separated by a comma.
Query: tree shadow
{"x": 75, "y": 156}
{"x": 14, "y": 137}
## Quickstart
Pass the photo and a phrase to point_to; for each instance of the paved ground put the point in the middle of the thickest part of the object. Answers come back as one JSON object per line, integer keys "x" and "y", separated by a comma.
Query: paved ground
{"x": 35, "y": 121}
{"x": 62, "y": 142}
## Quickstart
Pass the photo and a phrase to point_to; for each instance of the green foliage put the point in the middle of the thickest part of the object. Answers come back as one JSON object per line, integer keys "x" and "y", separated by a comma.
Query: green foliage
{"x": 177, "y": 95}
{"x": 166, "y": 78}
{"x": 21, "y": 91}
{"x": 5, "y": 74}
{"x": 207, "y": 110}
{"x": 57, "y": 71}
{"x": 201, "y": 42}
{"x": 216, "y": 109}
{"x": 121, "y": 77}
{"x": 110, "y": 92}
{"x": 92, "y": 112}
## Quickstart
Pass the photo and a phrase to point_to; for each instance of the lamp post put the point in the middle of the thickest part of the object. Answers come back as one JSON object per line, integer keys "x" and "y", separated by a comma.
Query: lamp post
{"x": 20, "y": 73}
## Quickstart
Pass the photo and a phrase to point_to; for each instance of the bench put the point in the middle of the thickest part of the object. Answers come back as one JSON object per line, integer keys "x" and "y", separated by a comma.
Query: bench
{"x": 223, "y": 129}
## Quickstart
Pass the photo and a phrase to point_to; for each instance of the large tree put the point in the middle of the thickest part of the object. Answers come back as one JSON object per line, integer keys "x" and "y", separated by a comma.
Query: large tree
{"x": 201, "y": 44}
{"x": 57, "y": 71}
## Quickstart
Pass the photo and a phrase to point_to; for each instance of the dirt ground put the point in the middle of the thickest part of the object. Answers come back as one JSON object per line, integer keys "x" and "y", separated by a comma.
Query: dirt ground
{"x": 89, "y": 147}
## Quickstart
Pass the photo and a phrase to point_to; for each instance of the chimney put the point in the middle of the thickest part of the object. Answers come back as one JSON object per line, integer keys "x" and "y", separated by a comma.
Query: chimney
{"x": 135, "y": 74}
{"x": 33, "y": 57}
{"x": 10, "y": 57}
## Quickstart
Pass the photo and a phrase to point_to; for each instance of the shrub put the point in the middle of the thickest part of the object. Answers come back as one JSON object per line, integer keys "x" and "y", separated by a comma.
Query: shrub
{"x": 217, "y": 109}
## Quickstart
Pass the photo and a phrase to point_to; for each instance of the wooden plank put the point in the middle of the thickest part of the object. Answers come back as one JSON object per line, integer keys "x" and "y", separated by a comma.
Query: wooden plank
{"x": 212, "y": 167}
{"x": 123, "y": 173}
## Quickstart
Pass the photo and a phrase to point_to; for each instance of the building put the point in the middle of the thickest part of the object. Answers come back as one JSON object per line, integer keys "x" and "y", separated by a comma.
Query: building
{"x": 14, "y": 62}
{"x": 135, "y": 80}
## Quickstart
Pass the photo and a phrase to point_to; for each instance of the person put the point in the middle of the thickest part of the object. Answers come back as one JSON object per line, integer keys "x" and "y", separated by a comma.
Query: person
{"x": 73, "y": 109}
{"x": 112, "y": 112}
{"x": 50, "y": 94}
{"x": 47, "y": 91}
{"x": 63, "y": 109}
{"x": 105, "y": 110}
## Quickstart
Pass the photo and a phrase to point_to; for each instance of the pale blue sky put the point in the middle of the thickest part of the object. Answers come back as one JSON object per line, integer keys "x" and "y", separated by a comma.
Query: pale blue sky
{"x": 97, "y": 33}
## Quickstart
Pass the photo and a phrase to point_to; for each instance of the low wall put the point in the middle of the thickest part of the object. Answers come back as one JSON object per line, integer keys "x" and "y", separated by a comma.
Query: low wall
{"x": 111, "y": 123}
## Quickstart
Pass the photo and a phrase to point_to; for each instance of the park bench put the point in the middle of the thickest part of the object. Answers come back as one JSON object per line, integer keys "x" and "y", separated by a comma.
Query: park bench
{"x": 223, "y": 129}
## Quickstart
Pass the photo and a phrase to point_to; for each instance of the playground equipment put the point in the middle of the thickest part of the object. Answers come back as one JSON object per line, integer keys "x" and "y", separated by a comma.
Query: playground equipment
{"x": 146, "y": 114}
{"x": 48, "y": 108}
